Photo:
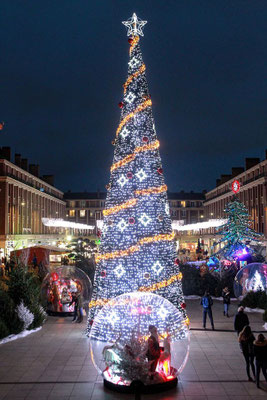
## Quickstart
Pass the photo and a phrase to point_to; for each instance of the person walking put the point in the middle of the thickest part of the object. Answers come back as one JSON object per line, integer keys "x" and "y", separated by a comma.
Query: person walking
{"x": 207, "y": 302}
{"x": 241, "y": 320}
{"x": 80, "y": 307}
{"x": 246, "y": 339}
{"x": 260, "y": 351}
{"x": 226, "y": 301}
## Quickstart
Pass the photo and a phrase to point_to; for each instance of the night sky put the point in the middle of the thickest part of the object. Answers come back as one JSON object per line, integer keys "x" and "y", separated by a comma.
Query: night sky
{"x": 63, "y": 64}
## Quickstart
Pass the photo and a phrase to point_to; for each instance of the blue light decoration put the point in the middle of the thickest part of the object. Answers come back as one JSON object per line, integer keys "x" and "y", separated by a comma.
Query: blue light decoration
{"x": 252, "y": 277}
{"x": 137, "y": 250}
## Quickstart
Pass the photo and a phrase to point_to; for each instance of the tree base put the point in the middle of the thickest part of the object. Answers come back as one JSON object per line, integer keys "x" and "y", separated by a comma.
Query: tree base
{"x": 139, "y": 387}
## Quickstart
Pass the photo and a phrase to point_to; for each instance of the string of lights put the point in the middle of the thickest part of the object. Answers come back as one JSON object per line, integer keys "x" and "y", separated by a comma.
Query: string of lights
{"x": 134, "y": 42}
{"x": 138, "y": 109}
{"x": 154, "y": 190}
{"x": 115, "y": 209}
{"x": 134, "y": 75}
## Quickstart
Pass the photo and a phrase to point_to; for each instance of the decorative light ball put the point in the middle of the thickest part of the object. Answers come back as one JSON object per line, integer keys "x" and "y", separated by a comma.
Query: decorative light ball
{"x": 129, "y": 175}
{"x": 121, "y": 104}
{"x": 160, "y": 217}
{"x": 110, "y": 222}
{"x": 103, "y": 274}
{"x": 130, "y": 40}
{"x": 121, "y": 340}
{"x": 176, "y": 261}
{"x": 160, "y": 171}
{"x": 145, "y": 139}
{"x": 252, "y": 277}
{"x": 183, "y": 305}
{"x": 59, "y": 287}
{"x": 147, "y": 275}
{"x": 131, "y": 220}
{"x": 113, "y": 142}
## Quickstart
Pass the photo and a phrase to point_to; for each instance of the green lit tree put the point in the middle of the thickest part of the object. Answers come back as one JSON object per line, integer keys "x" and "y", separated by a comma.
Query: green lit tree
{"x": 236, "y": 232}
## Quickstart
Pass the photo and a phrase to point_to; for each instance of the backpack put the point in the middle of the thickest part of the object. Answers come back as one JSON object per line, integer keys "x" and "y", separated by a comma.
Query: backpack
{"x": 205, "y": 302}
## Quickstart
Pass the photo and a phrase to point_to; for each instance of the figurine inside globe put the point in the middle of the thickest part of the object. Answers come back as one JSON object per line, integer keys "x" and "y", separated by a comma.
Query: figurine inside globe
{"x": 60, "y": 286}
{"x": 139, "y": 337}
{"x": 252, "y": 277}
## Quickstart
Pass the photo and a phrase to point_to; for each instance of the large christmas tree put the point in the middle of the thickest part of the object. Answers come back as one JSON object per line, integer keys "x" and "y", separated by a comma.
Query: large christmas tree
{"x": 137, "y": 252}
{"x": 236, "y": 232}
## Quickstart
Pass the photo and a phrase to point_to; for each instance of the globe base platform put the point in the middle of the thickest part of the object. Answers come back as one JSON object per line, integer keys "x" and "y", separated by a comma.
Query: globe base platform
{"x": 139, "y": 387}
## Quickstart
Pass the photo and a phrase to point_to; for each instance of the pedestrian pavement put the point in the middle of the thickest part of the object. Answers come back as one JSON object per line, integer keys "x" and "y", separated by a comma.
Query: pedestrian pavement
{"x": 54, "y": 363}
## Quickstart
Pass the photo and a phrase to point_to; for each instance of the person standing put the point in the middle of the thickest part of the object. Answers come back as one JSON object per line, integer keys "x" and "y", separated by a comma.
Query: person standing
{"x": 80, "y": 307}
{"x": 226, "y": 301}
{"x": 241, "y": 320}
{"x": 74, "y": 300}
{"x": 246, "y": 339}
{"x": 260, "y": 351}
{"x": 207, "y": 302}
{"x": 153, "y": 351}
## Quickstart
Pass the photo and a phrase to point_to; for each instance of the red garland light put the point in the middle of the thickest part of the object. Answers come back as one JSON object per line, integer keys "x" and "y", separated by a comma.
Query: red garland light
{"x": 160, "y": 171}
{"x": 176, "y": 261}
{"x": 121, "y": 104}
{"x": 130, "y": 40}
{"x": 55, "y": 276}
{"x": 103, "y": 274}
{"x": 91, "y": 322}
{"x": 183, "y": 305}
{"x": 236, "y": 186}
{"x": 145, "y": 139}
{"x": 131, "y": 220}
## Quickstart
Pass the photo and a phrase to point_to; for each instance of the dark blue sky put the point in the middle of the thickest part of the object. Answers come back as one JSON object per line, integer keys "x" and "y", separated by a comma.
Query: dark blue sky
{"x": 63, "y": 64}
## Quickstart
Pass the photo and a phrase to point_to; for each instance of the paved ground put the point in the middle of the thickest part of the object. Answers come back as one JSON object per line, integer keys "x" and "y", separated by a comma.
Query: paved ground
{"x": 54, "y": 363}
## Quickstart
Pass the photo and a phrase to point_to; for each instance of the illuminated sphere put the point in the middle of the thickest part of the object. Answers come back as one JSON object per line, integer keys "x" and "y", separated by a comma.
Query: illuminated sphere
{"x": 59, "y": 285}
{"x": 120, "y": 334}
{"x": 252, "y": 277}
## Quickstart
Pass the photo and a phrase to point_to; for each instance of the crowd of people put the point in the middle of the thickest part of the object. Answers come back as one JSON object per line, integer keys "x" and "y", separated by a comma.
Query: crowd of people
{"x": 253, "y": 349}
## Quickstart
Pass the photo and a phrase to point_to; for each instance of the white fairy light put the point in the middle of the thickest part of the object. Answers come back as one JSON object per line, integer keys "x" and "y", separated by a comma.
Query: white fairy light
{"x": 57, "y": 222}
{"x": 157, "y": 267}
{"x": 130, "y": 97}
{"x": 141, "y": 175}
{"x": 119, "y": 271}
{"x": 212, "y": 223}
{"x": 134, "y": 26}
{"x": 122, "y": 180}
{"x": 124, "y": 132}
{"x": 122, "y": 225}
{"x": 145, "y": 219}
{"x": 134, "y": 62}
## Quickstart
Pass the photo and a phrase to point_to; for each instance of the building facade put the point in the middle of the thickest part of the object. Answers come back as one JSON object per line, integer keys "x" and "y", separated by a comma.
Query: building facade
{"x": 87, "y": 208}
{"x": 24, "y": 200}
{"x": 253, "y": 193}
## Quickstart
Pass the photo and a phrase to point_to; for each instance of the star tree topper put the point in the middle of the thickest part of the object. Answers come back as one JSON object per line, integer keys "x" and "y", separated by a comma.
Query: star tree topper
{"x": 134, "y": 25}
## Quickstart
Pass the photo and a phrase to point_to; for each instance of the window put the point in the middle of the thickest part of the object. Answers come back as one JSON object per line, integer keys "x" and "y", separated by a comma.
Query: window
{"x": 72, "y": 203}
{"x": 183, "y": 213}
{"x": 82, "y": 213}
{"x": 192, "y": 204}
{"x": 82, "y": 204}
{"x": 72, "y": 213}
{"x": 183, "y": 203}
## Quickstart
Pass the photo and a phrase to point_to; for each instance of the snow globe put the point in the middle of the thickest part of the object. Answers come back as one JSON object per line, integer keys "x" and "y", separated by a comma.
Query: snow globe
{"x": 139, "y": 340}
{"x": 60, "y": 285}
{"x": 252, "y": 277}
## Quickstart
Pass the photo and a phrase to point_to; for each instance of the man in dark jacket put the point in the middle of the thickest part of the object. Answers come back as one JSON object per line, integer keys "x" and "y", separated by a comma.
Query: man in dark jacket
{"x": 241, "y": 320}
{"x": 260, "y": 352}
{"x": 206, "y": 303}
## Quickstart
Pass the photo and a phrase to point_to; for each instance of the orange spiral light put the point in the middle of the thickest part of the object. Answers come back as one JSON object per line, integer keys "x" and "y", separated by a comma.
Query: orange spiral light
{"x": 116, "y": 209}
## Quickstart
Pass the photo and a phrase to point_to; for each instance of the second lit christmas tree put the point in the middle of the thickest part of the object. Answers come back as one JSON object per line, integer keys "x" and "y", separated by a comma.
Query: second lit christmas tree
{"x": 137, "y": 252}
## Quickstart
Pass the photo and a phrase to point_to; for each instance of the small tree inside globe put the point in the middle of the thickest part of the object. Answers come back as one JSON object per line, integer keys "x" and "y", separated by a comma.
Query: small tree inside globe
{"x": 60, "y": 286}
{"x": 139, "y": 337}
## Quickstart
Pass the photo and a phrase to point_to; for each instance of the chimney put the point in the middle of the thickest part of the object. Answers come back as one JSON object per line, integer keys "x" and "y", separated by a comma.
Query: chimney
{"x": 236, "y": 171}
{"x": 5, "y": 153}
{"x": 49, "y": 179}
{"x": 24, "y": 164}
{"x": 34, "y": 169}
{"x": 18, "y": 159}
{"x": 225, "y": 178}
{"x": 250, "y": 162}
{"x": 218, "y": 182}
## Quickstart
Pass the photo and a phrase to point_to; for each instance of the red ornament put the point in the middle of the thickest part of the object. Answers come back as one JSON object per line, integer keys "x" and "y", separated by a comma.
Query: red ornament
{"x": 2, "y": 126}
{"x": 131, "y": 220}
{"x": 160, "y": 218}
{"x": 121, "y": 104}
{"x": 236, "y": 186}
{"x": 130, "y": 40}
{"x": 145, "y": 139}
{"x": 129, "y": 175}
{"x": 160, "y": 171}
{"x": 176, "y": 261}
{"x": 103, "y": 274}
{"x": 183, "y": 305}
{"x": 98, "y": 233}
{"x": 91, "y": 322}
{"x": 54, "y": 276}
